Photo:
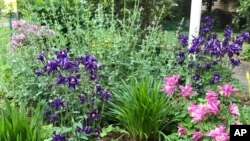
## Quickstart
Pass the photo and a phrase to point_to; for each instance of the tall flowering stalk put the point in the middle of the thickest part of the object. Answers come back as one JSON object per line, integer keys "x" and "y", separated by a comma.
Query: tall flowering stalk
{"x": 210, "y": 115}
{"x": 79, "y": 91}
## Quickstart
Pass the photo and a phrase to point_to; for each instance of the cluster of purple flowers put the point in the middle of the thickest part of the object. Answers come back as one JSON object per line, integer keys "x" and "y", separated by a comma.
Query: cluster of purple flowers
{"x": 25, "y": 30}
{"x": 71, "y": 73}
{"x": 209, "y": 50}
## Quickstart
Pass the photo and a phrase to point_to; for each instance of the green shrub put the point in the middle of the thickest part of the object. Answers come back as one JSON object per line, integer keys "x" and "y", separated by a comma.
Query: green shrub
{"x": 16, "y": 125}
{"x": 142, "y": 110}
{"x": 116, "y": 43}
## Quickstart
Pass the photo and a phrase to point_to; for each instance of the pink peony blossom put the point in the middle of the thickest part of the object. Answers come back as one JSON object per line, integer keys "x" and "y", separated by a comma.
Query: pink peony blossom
{"x": 181, "y": 130}
{"x": 197, "y": 136}
{"x": 233, "y": 109}
{"x": 219, "y": 133}
{"x": 227, "y": 90}
{"x": 186, "y": 90}
{"x": 197, "y": 112}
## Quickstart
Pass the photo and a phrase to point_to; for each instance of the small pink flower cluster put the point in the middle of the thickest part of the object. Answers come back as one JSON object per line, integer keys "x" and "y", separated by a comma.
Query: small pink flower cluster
{"x": 170, "y": 86}
{"x": 199, "y": 111}
{"x": 25, "y": 30}
{"x": 219, "y": 133}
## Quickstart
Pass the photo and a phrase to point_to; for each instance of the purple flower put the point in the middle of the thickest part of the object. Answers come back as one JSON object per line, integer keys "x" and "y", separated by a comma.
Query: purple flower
{"x": 99, "y": 89}
{"x": 41, "y": 57}
{"x": 58, "y": 137}
{"x": 70, "y": 65}
{"x": 208, "y": 66}
{"x": 228, "y": 32}
{"x": 206, "y": 25}
{"x": 61, "y": 54}
{"x": 39, "y": 72}
{"x": 180, "y": 58}
{"x": 246, "y": 36}
{"x": 106, "y": 96}
{"x": 90, "y": 64}
{"x": 197, "y": 86}
{"x": 213, "y": 36}
{"x": 94, "y": 115}
{"x": 54, "y": 117}
{"x": 191, "y": 64}
{"x": 82, "y": 98}
{"x": 47, "y": 112}
{"x": 234, "y": 48}
{"x": 196, "y": 76}
{"x": 183, "y": 39}
{"x": 239, "y": 40}
{"x": 73, "y": 81}
{"x": 86, "y": 129}
{"x": 195, "y": 47}
{"x": 61, "y": 79}
{"x": 215, "y": 78}
{"x": 57, "y": 103}
{"x": 235, "y": 62}
{"x": 51, "y": 66}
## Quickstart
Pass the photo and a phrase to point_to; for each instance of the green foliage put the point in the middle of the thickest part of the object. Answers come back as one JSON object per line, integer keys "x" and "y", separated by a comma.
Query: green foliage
{"x": 117, "y": 44}
{"x": 244, "y": 12}
{"x": 142, "y": 110}
{"x": 245, "y": 115}
{"x": 16, "y": 125}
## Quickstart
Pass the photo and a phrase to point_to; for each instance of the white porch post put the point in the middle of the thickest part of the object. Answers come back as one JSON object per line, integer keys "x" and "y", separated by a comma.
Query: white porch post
{"x": 195, "y": 18}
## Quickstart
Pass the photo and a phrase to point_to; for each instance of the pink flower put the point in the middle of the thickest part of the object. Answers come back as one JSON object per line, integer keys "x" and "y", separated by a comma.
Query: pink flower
{"x": 227, "y": 90}
{"x": 213, "y": 103}
{"x": 197, "y": 112}
{"x": 170, "y": 84}
{"x": 233, "y": 109}
{"x": 211, "y": 96}
{"x": 237, "y": 123}
{"x": 169, "y": 89}
{"x": 197, "y": 136}
{"x": 33, "y": 28}
{"x": 181, "y": 130}
{"x": 172, "y": 80}
{"x": 16, "y": 24}
{"x": 219, "y": 133}
{"x": 186, "y": 90}
{"x": 213, "y": 106}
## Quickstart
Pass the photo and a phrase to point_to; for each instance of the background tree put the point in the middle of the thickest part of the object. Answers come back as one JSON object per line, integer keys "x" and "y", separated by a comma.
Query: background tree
{"x": 244, "y": 14}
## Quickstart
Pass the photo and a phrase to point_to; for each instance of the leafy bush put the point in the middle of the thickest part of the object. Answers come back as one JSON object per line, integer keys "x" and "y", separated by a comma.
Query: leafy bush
{"x": 16, "y": 125}
{"x": 142, "y": 110}
{"x": 118, "y": 44}
{"x": 210, "y": 115}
